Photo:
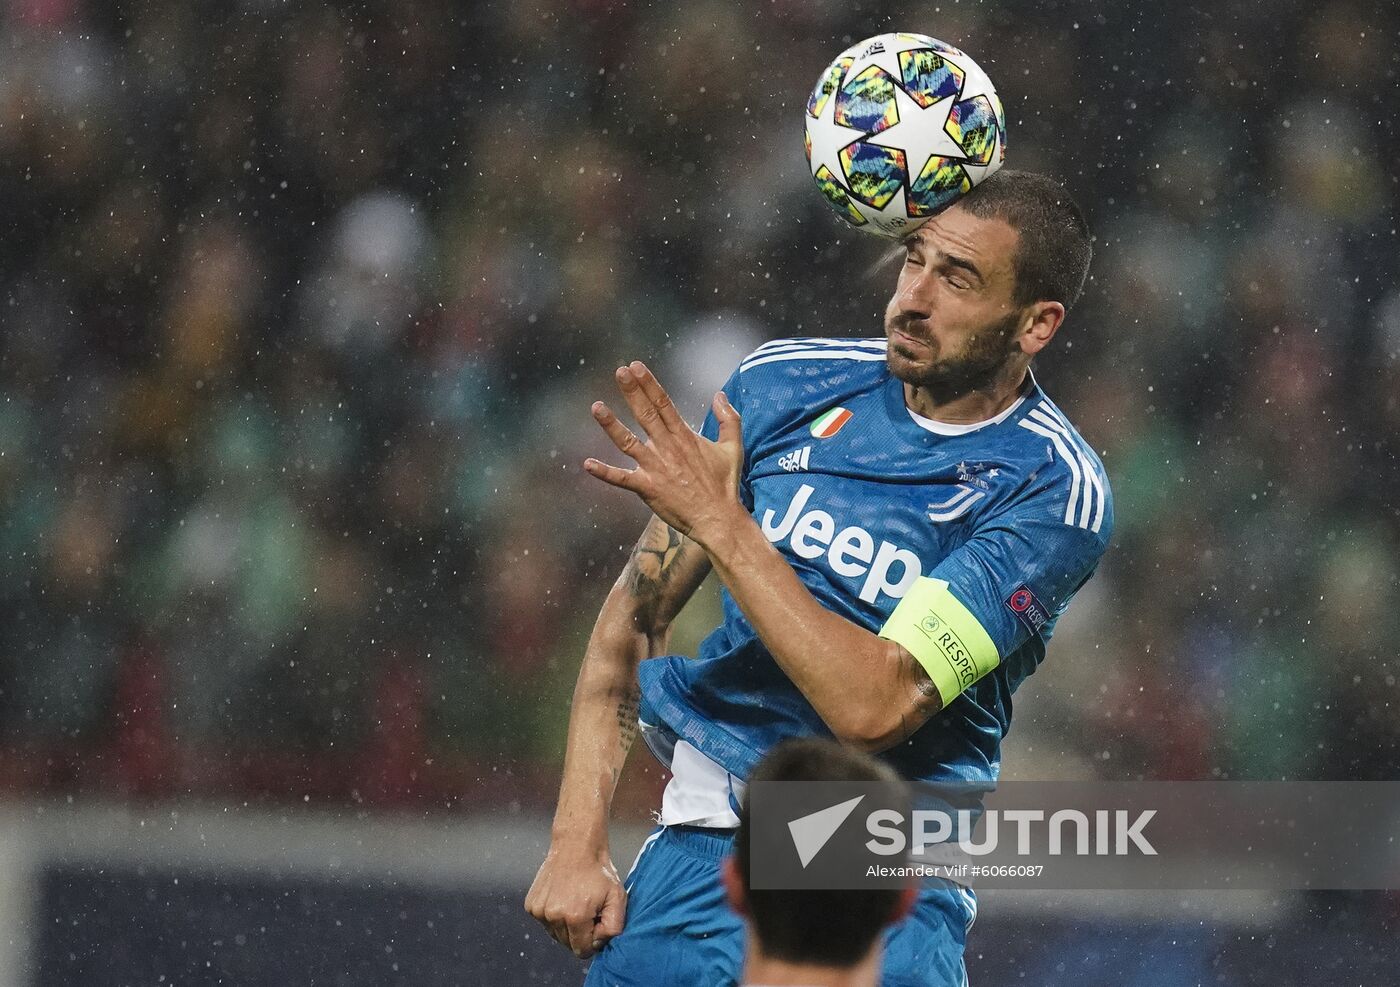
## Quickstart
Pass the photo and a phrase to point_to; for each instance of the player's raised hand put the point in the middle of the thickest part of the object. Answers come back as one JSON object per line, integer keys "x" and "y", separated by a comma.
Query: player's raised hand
{"x": 690, "y": 482}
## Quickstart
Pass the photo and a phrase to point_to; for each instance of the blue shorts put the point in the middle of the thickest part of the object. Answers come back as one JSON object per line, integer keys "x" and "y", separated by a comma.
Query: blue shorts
{"x": 680, "y": 931}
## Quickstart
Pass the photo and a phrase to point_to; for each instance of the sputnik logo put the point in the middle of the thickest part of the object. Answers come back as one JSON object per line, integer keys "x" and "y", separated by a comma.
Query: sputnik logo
{"x": 813, "y": 831}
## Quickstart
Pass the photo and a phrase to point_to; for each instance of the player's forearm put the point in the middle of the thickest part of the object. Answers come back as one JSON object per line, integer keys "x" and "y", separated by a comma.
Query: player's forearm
{"x": 634, "y": 623}
{"x": 602, "y": 723}
{"x": 854, "y": 679}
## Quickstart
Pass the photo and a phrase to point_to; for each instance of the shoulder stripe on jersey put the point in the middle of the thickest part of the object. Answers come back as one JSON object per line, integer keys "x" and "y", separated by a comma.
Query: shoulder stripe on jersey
{"x": 1095, "y": 495}
{"x": 1094, "y": 474}
{"x": 971, "y": 903}
{"x": 813, "y": 355}
{"x": 795, "y": 339}
{"x": 1091, "y": 507}
{"x": 813, "y": 342}
{"x": 1055, "y": 425}
{"x": 793, "y": 346}
{"x": 1093, "y": 489}
{"x": 1069, "y": 459}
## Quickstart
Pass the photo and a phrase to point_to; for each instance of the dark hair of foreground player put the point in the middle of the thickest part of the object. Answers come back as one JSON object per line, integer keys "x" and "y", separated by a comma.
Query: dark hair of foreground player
{"x": 831, "y": 927}
{"x": 1053, "y": 250}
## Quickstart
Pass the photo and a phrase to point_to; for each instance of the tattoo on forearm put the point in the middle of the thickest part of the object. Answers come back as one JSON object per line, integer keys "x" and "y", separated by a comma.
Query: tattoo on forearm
{"x": 654, "y": 558}
{"x": 653, "y": 563}
{"x": 924, "y": 684}
{"x": 627, "y": 711}
{"x": 927, "y": 690}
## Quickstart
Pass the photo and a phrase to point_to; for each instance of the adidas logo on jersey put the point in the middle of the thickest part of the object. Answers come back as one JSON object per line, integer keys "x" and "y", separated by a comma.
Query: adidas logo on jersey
{"x": 850, "y": 551}
{"x": 796, "y": 460}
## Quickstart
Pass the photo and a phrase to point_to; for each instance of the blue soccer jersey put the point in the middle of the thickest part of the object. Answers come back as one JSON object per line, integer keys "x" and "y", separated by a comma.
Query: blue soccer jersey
{"x": 862, "y": 497}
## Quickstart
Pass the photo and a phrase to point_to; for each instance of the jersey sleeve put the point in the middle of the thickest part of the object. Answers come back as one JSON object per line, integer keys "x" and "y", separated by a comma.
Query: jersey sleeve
{"x": 1014, "y": 576}
{"x": 709, "y": 428}
{"x": 1022, "y": 566}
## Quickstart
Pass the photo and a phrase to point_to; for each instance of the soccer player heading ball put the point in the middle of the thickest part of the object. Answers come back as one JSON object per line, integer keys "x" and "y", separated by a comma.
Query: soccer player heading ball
{"x": 898, "y": 522}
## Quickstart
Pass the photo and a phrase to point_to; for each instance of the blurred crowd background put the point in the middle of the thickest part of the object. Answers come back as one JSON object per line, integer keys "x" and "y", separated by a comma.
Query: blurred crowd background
{"x": 302, "y": 308}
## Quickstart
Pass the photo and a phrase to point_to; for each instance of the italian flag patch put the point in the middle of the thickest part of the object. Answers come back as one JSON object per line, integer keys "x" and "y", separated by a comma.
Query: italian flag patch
{"x": 828, "y": 423}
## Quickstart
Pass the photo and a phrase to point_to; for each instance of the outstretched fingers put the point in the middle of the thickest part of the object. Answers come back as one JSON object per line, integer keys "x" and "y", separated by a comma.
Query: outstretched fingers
{"x": 653, "y": 409}
{"x": 613, "y": 475}
{"x": 626, "y": 441}
{"x": 640, "y": 403}
{"x": 623, "y": 437}
{"x": 658, "y": 398}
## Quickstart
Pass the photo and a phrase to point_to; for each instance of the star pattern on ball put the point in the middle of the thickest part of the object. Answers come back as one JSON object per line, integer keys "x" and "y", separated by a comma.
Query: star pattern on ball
{"x": 888, "y": 59}
{"x": 829, "y": 138}
{"x": 919, "y": 132}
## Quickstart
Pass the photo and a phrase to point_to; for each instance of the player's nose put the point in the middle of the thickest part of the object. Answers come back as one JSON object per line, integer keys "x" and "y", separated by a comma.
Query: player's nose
{"x": 915, "y": 297}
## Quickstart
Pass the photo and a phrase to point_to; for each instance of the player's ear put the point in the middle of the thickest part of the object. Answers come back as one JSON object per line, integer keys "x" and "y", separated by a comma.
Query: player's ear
{"x": 1042, "y": 321}
{"x": 733, "y": 886}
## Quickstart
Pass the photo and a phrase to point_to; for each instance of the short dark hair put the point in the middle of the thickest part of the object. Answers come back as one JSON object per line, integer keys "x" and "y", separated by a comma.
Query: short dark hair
{"x": 835, "y": 927}
{"x": 1054, "y": 248}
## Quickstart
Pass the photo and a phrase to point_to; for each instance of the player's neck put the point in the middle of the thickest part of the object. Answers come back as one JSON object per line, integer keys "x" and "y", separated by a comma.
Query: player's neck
{"x": 970, "y": 406}
{"x": 763, "y": 971}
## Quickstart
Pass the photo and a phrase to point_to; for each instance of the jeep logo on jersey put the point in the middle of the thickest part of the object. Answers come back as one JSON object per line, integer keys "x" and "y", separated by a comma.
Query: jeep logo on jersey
{"x": 850, "y": 552}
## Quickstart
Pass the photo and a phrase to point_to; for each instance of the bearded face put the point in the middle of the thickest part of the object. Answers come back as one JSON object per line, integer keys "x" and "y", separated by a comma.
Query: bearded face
{"x": 953, "y": 324}
{"x": 954, "y": 369}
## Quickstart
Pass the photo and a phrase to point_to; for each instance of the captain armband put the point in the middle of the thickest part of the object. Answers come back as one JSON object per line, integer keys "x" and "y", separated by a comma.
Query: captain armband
{"x": 943, "y": 636}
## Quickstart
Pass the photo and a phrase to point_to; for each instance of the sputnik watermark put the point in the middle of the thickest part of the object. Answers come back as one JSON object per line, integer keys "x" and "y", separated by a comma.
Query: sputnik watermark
{"x": 1118, "y": 832}
{"x": 893, "y": 833}
{"x": 1085, "y": 835}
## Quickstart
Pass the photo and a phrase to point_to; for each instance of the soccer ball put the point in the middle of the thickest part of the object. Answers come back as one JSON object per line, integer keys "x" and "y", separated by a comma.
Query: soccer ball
{"x": 900, "y": 127}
